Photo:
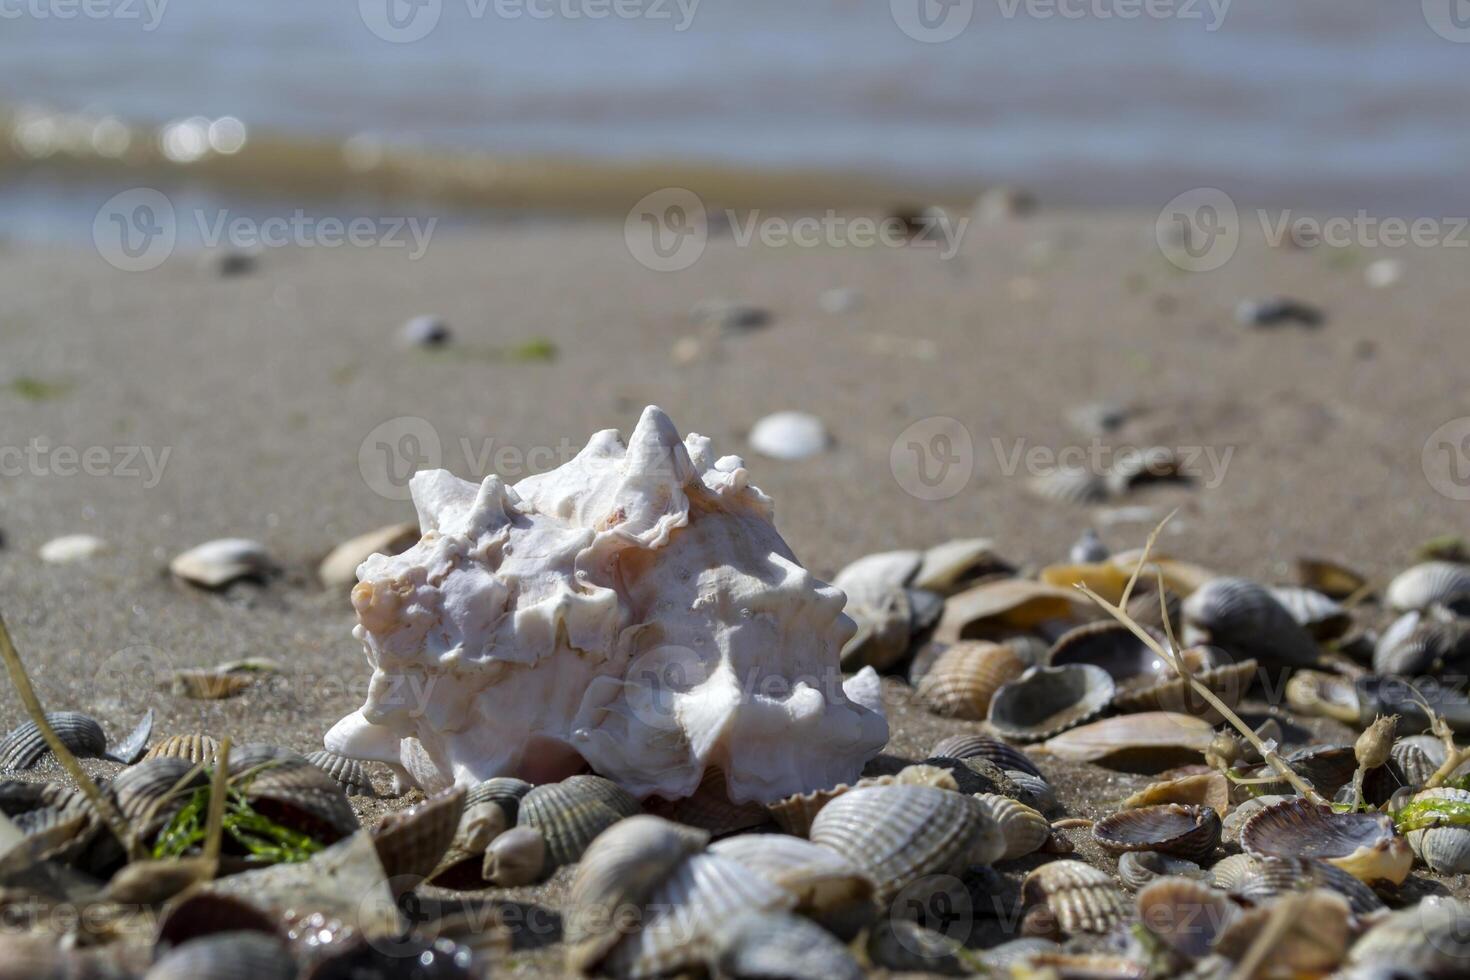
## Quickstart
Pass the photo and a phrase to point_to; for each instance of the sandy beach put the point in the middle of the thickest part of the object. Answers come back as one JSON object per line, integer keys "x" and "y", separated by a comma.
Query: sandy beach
{"x": 251, "y": 406}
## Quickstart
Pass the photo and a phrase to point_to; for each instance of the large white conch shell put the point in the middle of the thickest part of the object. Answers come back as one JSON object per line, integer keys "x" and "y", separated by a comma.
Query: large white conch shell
{"x": 634, "y": 610}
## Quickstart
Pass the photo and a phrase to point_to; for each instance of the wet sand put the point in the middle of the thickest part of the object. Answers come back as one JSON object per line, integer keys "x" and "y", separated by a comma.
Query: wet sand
{"x": 263, "y": 389}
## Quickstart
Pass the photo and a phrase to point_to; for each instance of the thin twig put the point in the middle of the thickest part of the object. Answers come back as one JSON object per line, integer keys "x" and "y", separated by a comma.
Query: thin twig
{"x": 1148, "y": 546}
{"x": 1283, "y": 915}
{"x": 1268, "y": 752}
{"x": 104, "y": 806}
{"x": 217, "y": 792}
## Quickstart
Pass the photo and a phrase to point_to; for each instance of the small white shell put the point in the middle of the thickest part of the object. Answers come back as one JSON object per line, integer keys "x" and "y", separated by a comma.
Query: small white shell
{"x": 216, "y": 564}
{"x": 70, "y": 548}
{"x": 789, "y": 435}
{"x": 1428, "y": 583}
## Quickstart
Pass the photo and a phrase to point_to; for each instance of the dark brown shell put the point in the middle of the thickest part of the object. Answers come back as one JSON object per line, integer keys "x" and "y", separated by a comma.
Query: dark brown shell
{"x": 412, "y": 842}
{"x": 1246, "y": 619}
{"x": 1269, "y": 877}
{"x": 1297, "y": 828}
{"x": 1113, "y": 647}
{"x": 1190, "y": 832}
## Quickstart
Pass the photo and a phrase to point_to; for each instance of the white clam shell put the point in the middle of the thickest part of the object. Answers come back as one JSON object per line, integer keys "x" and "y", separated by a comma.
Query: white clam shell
{"x": 1427, "y": 583}
{"x": 216, "y": 564}
{"x": 70, "y": 548}
{"x": 634, "y": 609}
{"x": 789, "y": 435}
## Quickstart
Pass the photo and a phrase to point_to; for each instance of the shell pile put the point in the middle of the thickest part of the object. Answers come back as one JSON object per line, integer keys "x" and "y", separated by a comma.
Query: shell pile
{"x": 633, "y": 695}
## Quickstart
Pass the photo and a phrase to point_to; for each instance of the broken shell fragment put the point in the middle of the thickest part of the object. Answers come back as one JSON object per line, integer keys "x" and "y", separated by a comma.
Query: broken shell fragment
{"x": 216, "y": 564}
{"x": 1323, "y": 617}
{"x": 1047, "y": 700}
{"x": 1190, "y": 832}
{"x": 899, "y": 834}
{"x": 1068, "y": 897}
{"x": 1209, "y": 789}
{"x": 1329, "y": 578}
{"x": 411, "y": 843}
{"x": 949, "y": 567}
{"x": 71, "y": 548}
{"x": 1007, "y": 603}
{"x": 208, "y": 685}
{"x": 965, "y": 678}
{"x": 1362, "y": 844}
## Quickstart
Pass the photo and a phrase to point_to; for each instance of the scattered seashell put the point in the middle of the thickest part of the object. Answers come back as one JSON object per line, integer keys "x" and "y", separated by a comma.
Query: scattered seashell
{"x": 899, "y": 834}
{"x": 954, "y": 565}
{"x": 1265, "y": 878}
{"x": 1025, "y": 830}
{"x": 780, "y": 946}
{"x": 1088, "y": 549}
{"x": 1138, "y": 868}
{"x": 828, "y": 887}
{"x": 1230, "y": 872}
{"x": 1099, "y": 418}
{"x": 1316, "y": 932}
{"x": 194, "y": 749}
{"x": 293, "y": 792}
{"x": 1209, "y": 789}
{"x": 1417, "y": 644}
{"x": 572, "y": 813}
{"x": 208, "y": 685}
{"x": 1069, "y": 485}
{"x": 1275, "y": 311}
{"x": 150, "y": 793}
{"x": 24, "y": 746}
{"x": 216, "y": 564}
{"x": 962, "y": 682}
{"x": 1235, "y": 820}
{"x": 789, "y": 435}
{"x": 424, "y": 330}
{"x": 1445, "y": 848}
{"x": 1323, "y": 617}
{"x": 411, "y": 843}
{"x": 620, "y": 870}
{"x": 1116, "y": 649}
{"x": 1047, "y": 700}
{"x": 516, "y": 857}
{"x": 349, "y": 773}
{"x": 1185, "y": 915}
{"x": 884, "y": 618}
{"x": 132, "y": 748}
{"x": 1427, "y": 584}
{"x": 1228, "y": 682}
{"x": 1246, "y": 619}
{"x": 659, "y": 532}
{"x": 1136, "y": 466}
{"x": 1152, "y": 739}
{"x": 71, "y": 548}
{"x": 904, "y": 945}
{"x": 1190, "y": 832}
{"x": 1315, "y": 692}
{"x": 686, "y": 913}
{"x": 927, "y": 775}
{"x": 1004, "y": 202}
{"x": 1007, "y": 603}
{"x": 984, "y": 747}
{"x": 1104, "y": 578}
{"x": 1068, "y": 897}
{"x": 1424, "y": 940}
{"x": 1329, "y": 578}
{"x": 340, "y": 566}
{"x": 1033, "y": 790}
{"x": 1363, "y": 844}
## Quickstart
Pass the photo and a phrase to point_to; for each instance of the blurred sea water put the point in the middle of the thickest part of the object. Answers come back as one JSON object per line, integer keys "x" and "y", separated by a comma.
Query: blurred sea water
{"x": 1310, "y": 103}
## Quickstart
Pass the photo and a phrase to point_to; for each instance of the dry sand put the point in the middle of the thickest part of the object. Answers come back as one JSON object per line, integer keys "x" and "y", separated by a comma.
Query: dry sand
{"x": 264, "y": 387}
